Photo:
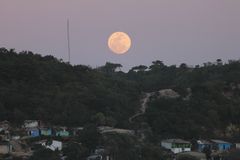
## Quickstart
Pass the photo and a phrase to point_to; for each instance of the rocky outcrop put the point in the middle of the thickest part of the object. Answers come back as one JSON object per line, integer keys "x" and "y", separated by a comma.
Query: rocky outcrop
{"x": 167, "y": 93}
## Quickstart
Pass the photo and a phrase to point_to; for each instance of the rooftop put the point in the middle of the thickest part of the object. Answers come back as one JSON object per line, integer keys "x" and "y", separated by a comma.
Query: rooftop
{"x": 219, "y": 141}
{"x": 175, "y": 141}
{"x": 30, "y": 121}
{"x": 203, "y": 142}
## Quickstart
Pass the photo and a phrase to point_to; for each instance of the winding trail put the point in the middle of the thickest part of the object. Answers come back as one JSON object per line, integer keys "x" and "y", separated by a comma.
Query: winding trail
{"x": 143, "y": 108}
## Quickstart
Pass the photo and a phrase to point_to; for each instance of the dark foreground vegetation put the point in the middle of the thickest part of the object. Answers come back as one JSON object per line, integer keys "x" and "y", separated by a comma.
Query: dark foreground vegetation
{"x": 45, "y": 88}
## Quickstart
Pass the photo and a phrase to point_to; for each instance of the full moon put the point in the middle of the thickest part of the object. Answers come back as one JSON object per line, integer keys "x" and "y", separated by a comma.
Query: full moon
{"x": 119, "y": 42}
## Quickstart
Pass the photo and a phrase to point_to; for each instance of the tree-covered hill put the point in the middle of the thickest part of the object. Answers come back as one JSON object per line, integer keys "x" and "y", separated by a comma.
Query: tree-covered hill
{"x": 36, "y": 87}
{"x": 209, "y": 102}
{"x": 42, "y": 87}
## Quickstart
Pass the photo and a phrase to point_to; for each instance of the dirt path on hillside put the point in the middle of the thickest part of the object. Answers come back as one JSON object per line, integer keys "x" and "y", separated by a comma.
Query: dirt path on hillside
{"x": 143, "y": 107}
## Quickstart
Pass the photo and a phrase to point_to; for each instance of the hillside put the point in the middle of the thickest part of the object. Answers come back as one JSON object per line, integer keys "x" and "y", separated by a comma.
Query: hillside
{"x": 42, "y": 87}
{"x": 36, "y": 87}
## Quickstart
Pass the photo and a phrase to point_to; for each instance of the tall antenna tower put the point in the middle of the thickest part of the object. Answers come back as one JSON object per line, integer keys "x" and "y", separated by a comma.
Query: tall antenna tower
{"x": 68, "y": 40}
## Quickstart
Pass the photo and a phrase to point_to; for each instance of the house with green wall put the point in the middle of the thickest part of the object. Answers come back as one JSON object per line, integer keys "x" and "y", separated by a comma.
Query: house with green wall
{"x": 62, "y": 132}
{"x": 46, "y": 131}
{"x": 176, "y": 145}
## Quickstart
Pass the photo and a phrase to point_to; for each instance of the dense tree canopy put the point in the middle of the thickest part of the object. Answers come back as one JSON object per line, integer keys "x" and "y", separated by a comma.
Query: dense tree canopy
{"x": 36, "y": 87}
{"x": 42, "y": 87}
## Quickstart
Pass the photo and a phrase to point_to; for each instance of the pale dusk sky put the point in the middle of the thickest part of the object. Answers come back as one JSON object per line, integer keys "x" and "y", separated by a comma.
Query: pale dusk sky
{"x": 174, "y": 31}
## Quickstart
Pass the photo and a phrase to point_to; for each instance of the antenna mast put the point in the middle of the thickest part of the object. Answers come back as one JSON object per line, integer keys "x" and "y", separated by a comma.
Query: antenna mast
{"x": 68, "y": 40}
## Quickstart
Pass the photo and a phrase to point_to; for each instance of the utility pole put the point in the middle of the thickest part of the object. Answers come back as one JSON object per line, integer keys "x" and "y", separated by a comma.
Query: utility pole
{"x": 68, "y": 41}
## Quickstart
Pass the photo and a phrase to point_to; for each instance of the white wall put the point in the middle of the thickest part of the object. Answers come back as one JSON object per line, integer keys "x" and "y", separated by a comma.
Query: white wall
{"x": 238, "y": 145}
{"x": 174, "y": 150}
{"x": 31, "y": 124}
{"x": 179, "y": 150}
{"x": 56, "y": 145}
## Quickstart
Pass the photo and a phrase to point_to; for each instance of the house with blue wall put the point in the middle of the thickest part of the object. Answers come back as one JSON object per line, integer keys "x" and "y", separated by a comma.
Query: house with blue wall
{"x": 46, "y": 131}
{"x": 33, "y": 132}
{"x": 221, "y": 145}
{"x": 203, "y": 144}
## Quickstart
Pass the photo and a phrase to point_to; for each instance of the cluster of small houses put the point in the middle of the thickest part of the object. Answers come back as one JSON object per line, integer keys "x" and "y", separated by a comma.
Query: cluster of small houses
{"x": 34, "y": 128}
{"x": 31, "y": 129}
{"x": 215, "y": 147}
{"x": 179, "y": 145}
{"x": 11, "y": 136}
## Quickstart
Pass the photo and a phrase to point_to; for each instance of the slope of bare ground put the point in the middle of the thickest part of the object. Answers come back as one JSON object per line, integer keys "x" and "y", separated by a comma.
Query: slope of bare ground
{"x": 143, "y": 107}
